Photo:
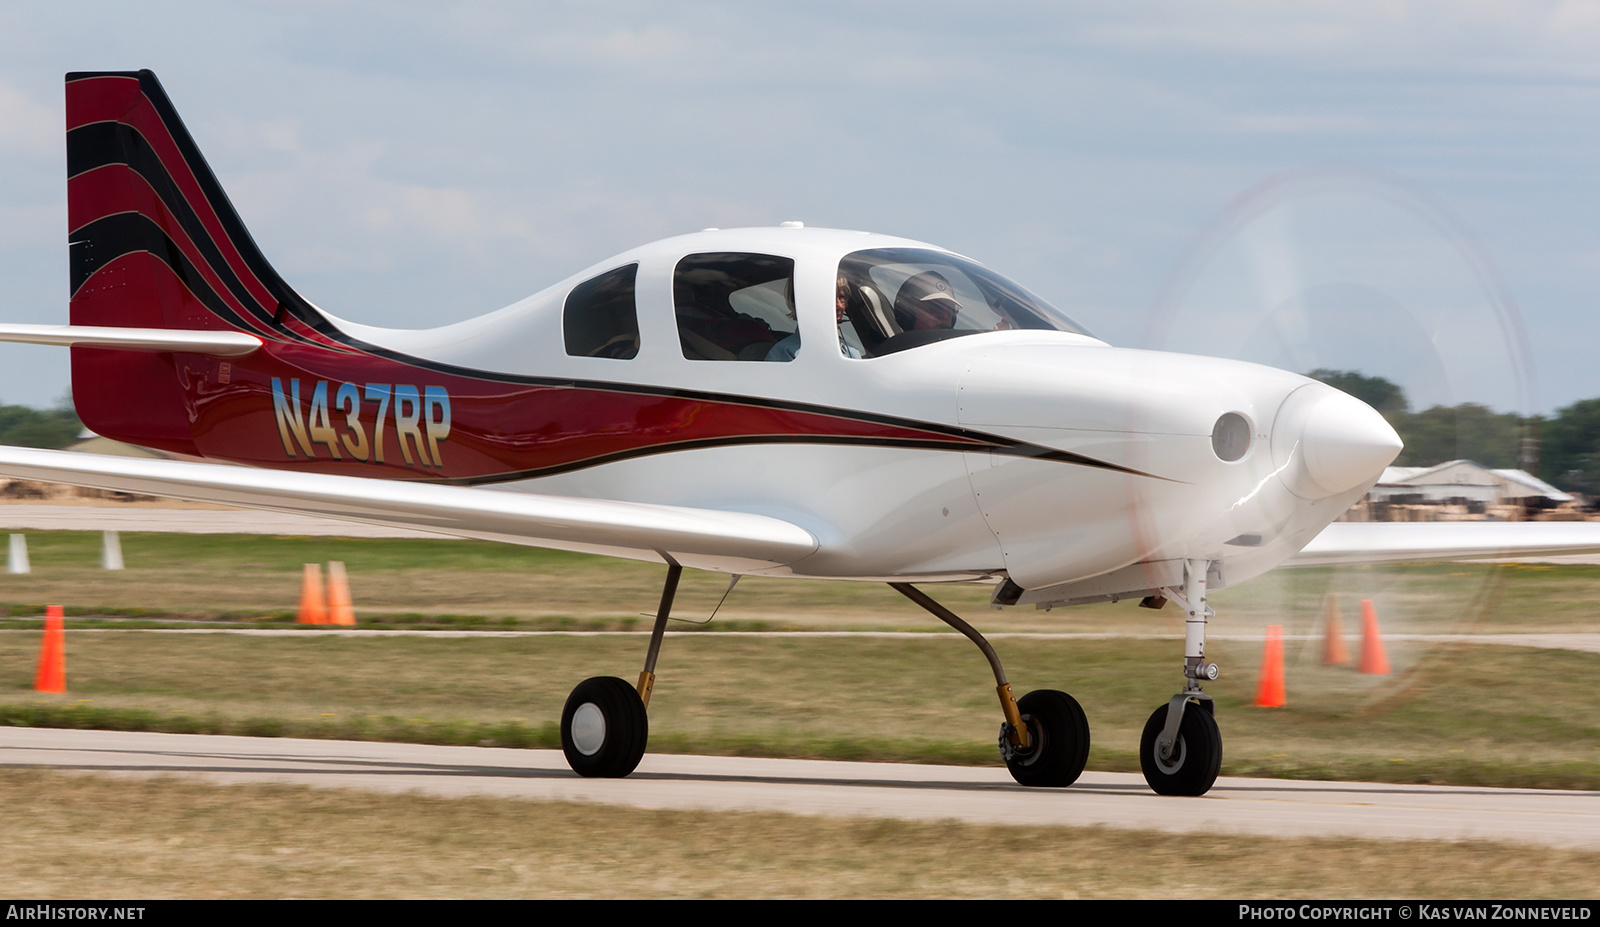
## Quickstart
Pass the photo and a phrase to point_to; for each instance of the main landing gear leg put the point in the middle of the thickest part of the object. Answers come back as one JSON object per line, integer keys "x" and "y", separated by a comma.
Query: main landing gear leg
{"x": 1045, "y": 737}
{"x": 1181, "y": 749}
{"x": 604, "y": 726}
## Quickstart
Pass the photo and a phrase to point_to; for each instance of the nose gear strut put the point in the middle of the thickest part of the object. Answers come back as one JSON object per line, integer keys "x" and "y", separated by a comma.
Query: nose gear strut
{"x": 1181, "y": 750}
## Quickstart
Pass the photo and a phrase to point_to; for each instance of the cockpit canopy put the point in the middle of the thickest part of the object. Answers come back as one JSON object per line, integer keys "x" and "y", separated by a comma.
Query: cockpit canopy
{"x": 893, "y": 299}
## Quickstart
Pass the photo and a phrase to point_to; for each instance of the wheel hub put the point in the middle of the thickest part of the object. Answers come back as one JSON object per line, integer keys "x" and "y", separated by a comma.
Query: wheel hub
{"x": 588, "y": 729}
{"x": 1173, "y": 761}
{"x": 1011, "y": 753}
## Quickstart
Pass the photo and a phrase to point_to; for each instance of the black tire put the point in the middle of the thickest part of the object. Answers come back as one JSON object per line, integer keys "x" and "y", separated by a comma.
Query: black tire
{"x": 1060, "y": 740}
{"x": 612, "y": 728}
{"x": 1197, "y": 756}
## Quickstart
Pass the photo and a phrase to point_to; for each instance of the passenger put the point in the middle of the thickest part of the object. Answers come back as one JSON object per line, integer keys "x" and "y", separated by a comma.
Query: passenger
{"x": 849, "y": 341}
{"x": 926, "y": 302}
{"x": 789, "y": 345}
{"x": 785, "y": 349}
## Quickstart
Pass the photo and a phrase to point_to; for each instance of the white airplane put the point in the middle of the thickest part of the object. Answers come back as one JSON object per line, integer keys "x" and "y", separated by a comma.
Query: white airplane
{"x": 778, "y": 401}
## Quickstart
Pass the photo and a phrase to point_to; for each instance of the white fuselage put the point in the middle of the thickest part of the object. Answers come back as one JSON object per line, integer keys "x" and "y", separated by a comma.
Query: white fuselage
{"x": 903, "y": 513}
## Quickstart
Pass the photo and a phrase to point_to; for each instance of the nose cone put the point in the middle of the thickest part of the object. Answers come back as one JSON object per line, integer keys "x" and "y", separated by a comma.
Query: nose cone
{"x": 1325, "y": 442}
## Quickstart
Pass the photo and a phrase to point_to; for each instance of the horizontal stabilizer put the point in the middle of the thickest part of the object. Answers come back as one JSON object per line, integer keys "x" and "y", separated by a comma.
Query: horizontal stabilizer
{"x": 732, "y": 542}
{"x": 1389, "y": 542}
{"x": 220, "y": 344}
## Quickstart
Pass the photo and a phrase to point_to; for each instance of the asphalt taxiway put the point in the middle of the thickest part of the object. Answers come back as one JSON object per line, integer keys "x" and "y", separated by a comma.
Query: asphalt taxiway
{"x": 1273, "y": 807}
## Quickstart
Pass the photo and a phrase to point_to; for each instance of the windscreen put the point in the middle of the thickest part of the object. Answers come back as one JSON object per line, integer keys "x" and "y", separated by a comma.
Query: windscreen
{"x": 894, "y": 299}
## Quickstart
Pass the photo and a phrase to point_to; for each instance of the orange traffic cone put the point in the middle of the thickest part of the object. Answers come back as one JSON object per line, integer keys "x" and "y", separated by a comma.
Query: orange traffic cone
{"x": 313, "y": 608}
{"x": 1270, "y": 689}
{"x": 339, "y": 609}
{"x": 52, "y": 674}
{"x": 1334, "y": 651}
{"x": 1373, "y": 659}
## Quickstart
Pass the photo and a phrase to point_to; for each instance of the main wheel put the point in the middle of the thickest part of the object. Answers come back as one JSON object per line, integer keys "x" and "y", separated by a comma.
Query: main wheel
{"x": 1059, "y": 740}
{"x": 604, "y": 728}
{"x": 1196, "y": 757}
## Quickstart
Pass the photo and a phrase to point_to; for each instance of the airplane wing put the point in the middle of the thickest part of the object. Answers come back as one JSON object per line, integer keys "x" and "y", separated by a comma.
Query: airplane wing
{"x": 732, "y": 542}
{"x": 1389, "y": 542}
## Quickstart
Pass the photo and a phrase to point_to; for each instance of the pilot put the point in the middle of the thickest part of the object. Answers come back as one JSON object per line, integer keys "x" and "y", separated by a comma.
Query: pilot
{"x": 926, "y": 302}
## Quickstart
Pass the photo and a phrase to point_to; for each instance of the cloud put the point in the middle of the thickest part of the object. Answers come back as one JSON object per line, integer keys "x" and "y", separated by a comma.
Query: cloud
{"x": 655, "y": 44}
{"x": 26, "y": 127}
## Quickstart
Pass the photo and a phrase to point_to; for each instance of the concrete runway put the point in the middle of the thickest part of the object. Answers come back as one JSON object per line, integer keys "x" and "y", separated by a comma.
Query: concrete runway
{"x": 1271, "y": 807}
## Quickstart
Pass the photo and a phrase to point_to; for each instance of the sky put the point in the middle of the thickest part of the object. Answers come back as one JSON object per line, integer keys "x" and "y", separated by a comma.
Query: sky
{"x": 1407, "y": 189}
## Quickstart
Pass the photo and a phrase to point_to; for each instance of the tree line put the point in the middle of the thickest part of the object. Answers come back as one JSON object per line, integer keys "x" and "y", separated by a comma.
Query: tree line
{"x": 1566, "y": 446}
{"x": 21, "y": 426}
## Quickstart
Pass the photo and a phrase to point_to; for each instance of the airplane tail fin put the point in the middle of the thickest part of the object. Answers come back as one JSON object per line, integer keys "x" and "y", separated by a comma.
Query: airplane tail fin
{"x": 155, "y": 244}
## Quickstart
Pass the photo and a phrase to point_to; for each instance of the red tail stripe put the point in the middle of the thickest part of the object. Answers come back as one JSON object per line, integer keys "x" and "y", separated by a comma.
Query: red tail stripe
{"x": 117, "y": 188}
{"x": 101, "y": 99}
{"x": 147, "y": 121}
{"x": 88, "y": 308}
{"x": 149, "y": 124}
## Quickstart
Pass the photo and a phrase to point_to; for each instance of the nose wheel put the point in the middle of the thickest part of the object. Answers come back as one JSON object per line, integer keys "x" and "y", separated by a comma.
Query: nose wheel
{"x": 1190, "y": 765}
{"x": 1180, "y": 750}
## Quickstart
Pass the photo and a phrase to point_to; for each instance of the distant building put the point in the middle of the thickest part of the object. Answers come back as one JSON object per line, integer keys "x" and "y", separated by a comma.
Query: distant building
{"x": 1460, "y": 490}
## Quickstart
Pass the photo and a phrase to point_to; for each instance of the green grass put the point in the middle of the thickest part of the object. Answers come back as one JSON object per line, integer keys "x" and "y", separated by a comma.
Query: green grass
{"x": 1465, "y": 717}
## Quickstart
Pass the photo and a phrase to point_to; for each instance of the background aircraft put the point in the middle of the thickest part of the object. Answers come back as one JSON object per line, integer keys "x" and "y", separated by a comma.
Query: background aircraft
{"x": 780, "y": 401}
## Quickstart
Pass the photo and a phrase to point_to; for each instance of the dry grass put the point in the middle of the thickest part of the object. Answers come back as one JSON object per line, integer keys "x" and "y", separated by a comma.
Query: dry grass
{"x": 80, "y": 837}
{"x": 204, "y": 576}
{"x": 1484, "y": 715}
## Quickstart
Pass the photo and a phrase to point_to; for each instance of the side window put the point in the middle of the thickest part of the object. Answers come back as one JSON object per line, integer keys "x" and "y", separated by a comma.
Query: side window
{"x": 600, "y": 319}
{"x": 737, "y": 307}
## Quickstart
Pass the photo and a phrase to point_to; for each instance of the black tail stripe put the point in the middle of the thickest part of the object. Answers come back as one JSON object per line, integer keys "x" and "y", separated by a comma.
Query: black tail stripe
{"x": 104, "y": 240}
{"x": 115, "y": 143}
{"x": 94, "y": 145}
{"x": 101, "y": 141}
{"x": 232, "y": 225}
{"x": 293, "y": 303}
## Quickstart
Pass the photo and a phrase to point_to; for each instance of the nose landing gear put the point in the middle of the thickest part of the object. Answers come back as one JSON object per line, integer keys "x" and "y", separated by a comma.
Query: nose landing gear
{"x": 1180, "y": 751}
